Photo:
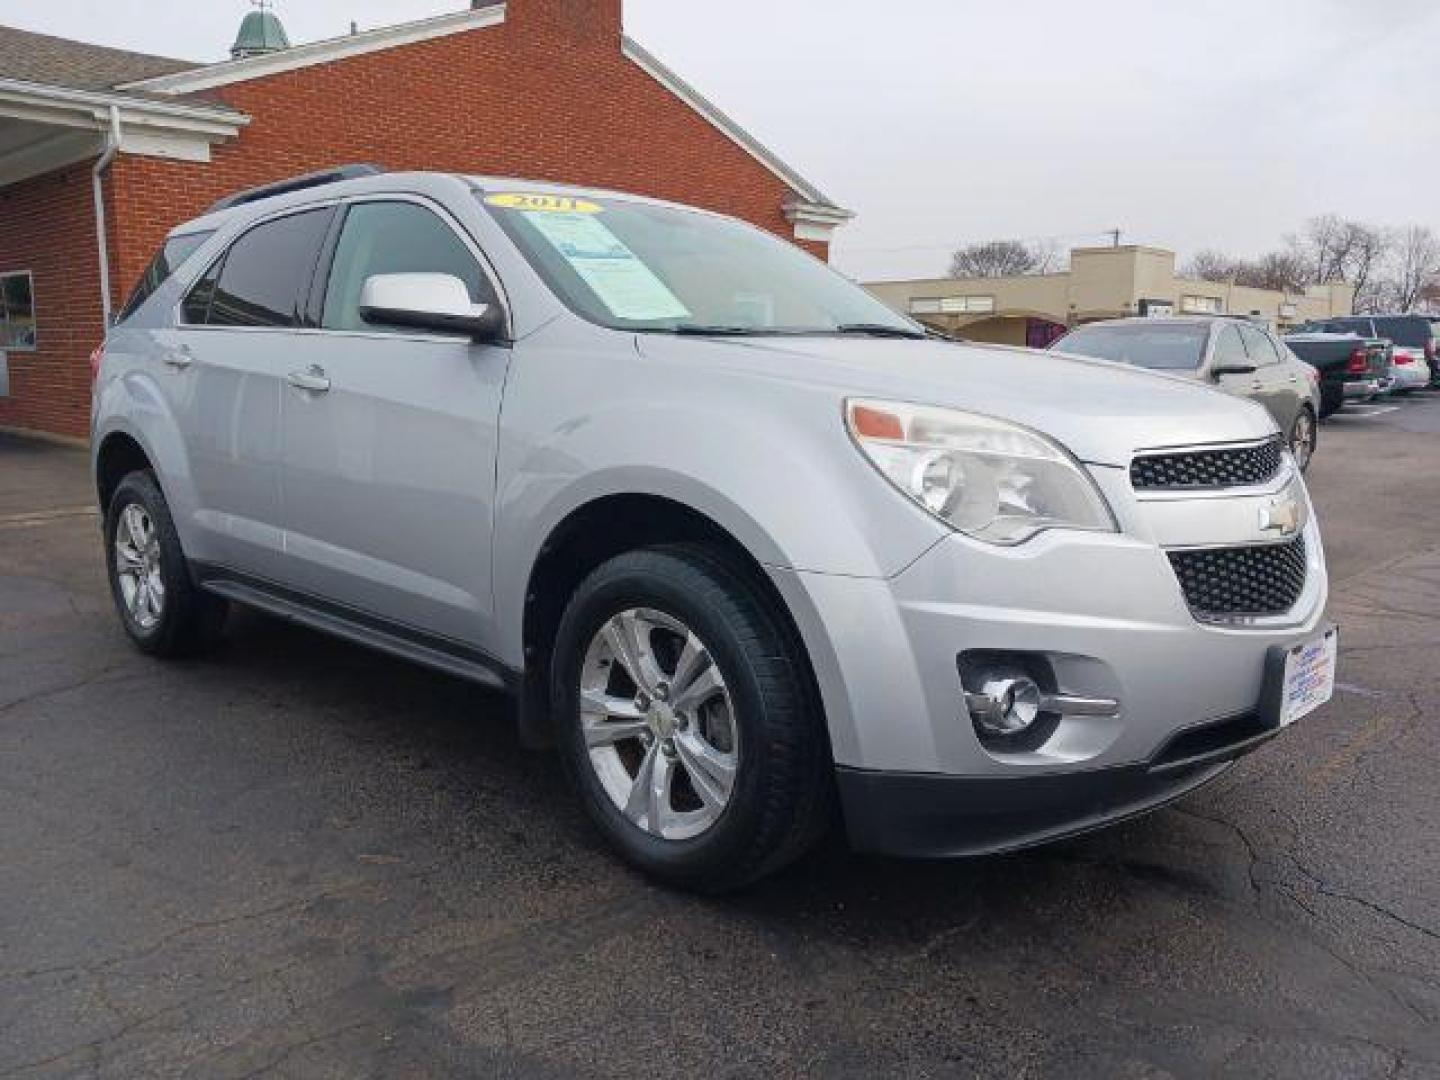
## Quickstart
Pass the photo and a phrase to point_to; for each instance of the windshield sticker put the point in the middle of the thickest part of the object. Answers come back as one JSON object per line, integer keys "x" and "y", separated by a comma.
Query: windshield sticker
{"x": 623, "y": 283}
{"x": 544, "y": 204}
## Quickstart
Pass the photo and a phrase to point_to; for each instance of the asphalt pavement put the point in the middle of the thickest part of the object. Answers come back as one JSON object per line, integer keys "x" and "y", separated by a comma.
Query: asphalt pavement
{"x": 298, "y": 858}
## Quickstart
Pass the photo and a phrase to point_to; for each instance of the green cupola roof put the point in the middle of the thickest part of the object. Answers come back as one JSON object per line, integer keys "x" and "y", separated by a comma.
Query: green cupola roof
{"x": 260, "y": 32}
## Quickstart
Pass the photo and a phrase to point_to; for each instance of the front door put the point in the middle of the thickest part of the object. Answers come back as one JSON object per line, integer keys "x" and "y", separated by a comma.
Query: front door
{"x": 1279, "y": 385}
{"x": 390, "y": 437}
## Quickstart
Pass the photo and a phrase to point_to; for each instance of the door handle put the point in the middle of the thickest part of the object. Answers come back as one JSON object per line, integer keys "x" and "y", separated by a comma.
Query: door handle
{"x": 312, "y": 379}
{"x": 180, "y": 358}
{"x": 1257, "y": 386}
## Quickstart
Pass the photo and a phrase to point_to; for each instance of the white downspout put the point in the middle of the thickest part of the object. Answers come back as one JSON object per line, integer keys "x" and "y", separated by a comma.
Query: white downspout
{"x": 112, "y": 147}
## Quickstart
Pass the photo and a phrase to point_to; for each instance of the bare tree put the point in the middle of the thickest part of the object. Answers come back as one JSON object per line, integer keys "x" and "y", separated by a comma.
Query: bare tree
{"x": 1415, "y": 266}
{"x": 996, "y": 258}
{"x": 1210, "y": 266}
{"x": 1281, "y": 271}
{"x": 1324, "y": 247}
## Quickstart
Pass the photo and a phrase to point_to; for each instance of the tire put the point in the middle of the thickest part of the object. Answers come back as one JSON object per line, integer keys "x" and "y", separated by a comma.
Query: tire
{"x": 1304, "y": 428}
{"x": 187, "y": 620}
{"x": 779, "y": 796}
{"x": 1330, "y": 402}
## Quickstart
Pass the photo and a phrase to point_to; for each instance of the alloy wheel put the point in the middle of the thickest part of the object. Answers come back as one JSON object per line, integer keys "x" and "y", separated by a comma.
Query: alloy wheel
{"x": 659, "y": 724}
{"x": 138, "y": 566}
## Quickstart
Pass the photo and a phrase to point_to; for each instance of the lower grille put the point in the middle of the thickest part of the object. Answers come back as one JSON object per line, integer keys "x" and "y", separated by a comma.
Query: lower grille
{"x": 1226, "y": 582}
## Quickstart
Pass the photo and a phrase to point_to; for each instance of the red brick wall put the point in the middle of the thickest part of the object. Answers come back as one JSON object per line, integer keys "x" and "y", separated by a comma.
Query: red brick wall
{"x": 47, "y": 226}
{"x": 547, "y": 95}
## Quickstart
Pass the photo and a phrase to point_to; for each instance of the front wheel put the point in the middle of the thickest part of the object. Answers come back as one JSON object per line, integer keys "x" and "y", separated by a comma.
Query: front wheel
{"x": 1303, "y": 437}
{"x": 686, "y": 720}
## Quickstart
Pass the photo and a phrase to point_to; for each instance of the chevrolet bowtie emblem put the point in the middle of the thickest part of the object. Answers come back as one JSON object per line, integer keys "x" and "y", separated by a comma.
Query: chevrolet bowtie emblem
{"x": 1282, "y": 516}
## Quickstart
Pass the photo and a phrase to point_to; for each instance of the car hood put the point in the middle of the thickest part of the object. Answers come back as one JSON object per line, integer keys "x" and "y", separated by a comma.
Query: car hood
{"x": 1102, "y": 412}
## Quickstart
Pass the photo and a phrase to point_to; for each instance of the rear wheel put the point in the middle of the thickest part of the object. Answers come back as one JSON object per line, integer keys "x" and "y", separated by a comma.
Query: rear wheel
{"x": 159, "y": 606}
{"x": 1303, "y": 437}
{"x": 685, "y": 718}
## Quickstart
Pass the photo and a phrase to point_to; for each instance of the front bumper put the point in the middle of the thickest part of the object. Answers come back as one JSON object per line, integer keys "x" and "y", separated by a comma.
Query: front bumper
{"x": 924, "y": 815}
{"x": 1107, "y": 614}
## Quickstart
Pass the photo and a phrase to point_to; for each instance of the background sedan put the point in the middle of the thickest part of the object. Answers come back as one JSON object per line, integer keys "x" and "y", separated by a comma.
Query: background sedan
{"x": 1234, "y": 355}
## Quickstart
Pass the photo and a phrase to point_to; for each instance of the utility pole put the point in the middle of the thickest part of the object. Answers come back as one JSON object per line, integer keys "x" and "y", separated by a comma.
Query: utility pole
{"x": 1114, "y": 235}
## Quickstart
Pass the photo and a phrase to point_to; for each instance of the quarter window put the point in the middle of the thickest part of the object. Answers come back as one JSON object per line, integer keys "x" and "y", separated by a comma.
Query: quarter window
{"x": 394, "y": 238}
{"x": 167, "y": 260}
{"x": 264, "y": 279}
{"x": 17, "y": 310}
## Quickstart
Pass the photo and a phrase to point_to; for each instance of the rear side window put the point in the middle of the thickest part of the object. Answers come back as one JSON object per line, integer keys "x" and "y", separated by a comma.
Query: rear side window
{"x": 167, "y": 260}
{"x": 394, "y": 238}
{"x": 264, "y": 278}
{"x": 1350, "y": 326}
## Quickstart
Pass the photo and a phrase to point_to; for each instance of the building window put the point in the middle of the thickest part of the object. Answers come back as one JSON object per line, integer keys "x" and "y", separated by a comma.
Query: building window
{"x": 1202, "y": 305}
{"x": 17, "y": 310}
{"x": 953, "y": 305}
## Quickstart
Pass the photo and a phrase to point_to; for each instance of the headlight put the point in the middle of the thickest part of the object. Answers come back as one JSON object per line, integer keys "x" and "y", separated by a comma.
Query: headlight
{"x": 997, "y": 482}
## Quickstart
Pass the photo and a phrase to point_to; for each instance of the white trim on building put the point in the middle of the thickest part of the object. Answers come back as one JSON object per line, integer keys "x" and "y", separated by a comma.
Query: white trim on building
{"x": 321, "y": 52}
{"x": 72, "y": 125}
{"x": 814, "y": 216}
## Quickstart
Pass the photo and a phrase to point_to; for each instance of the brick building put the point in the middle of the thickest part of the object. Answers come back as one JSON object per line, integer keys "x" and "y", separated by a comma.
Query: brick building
{"x": 98, "y": 142}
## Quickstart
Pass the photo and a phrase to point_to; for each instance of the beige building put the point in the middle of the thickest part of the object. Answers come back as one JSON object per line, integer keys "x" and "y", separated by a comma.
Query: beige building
{"x": 1102, "y": 283}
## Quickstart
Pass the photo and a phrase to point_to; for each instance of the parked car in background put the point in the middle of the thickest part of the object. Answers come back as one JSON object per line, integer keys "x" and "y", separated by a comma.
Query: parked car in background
{"x": 1412, "y": 336}
{"x": 1351, "y": 368}
{"x": 740, "y": 538}
{"x": 1233, "y": 355}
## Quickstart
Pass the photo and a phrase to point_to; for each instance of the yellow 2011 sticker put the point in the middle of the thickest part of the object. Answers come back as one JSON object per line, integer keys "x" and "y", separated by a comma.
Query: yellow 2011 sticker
{"x": 544, "y": 204}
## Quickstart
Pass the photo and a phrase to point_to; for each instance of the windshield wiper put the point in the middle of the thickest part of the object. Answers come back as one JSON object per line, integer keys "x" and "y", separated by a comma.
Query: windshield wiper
{"x": 718, "y": 331}
{"x": 879, "y": 330}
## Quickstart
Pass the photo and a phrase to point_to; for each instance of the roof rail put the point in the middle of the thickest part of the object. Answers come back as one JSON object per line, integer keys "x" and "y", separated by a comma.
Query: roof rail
{"x": 296, "y": 183}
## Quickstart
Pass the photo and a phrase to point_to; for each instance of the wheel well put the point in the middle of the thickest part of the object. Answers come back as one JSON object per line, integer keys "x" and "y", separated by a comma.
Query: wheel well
{"x": 119, "y": 456}
{"x": 598, "y": 531}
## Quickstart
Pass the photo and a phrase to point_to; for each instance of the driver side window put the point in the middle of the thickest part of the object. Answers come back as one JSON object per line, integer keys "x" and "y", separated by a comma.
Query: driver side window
{"x": 394, "y": 238}
{"x": 1229, "y": 349}
{"x": 1259, "y": 347}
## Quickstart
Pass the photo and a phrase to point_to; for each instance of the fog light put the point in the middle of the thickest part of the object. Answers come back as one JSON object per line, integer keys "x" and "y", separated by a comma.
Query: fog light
{"x": 1006, "y": 704}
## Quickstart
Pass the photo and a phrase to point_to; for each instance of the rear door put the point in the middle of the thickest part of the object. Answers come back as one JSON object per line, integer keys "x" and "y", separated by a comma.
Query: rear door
{"x": 225, "y": 355}
{"x": 390, "y": 435}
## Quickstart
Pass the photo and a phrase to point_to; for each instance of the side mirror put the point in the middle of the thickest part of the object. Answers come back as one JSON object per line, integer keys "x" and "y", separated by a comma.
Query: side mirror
{"x": 1232, "y": 369}
{"x": 438, "y": 302}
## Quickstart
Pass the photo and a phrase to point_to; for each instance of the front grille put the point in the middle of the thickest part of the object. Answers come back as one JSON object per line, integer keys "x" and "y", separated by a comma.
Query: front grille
{"x": 1237, "y": 466}
{"x": 1226, "y": 582}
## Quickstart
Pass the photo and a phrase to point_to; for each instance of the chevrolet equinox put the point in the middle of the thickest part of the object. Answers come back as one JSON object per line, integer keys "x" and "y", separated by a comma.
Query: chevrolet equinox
{"x": 753, "y": 552}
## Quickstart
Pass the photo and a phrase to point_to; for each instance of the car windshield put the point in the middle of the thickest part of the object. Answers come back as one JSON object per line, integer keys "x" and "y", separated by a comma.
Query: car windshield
{"x": 637, "y": 266}
{"x": 1165, "y": 348}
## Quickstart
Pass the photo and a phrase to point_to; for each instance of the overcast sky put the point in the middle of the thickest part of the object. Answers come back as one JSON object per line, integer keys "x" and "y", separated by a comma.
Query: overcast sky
{"x": 1214, "y": 123}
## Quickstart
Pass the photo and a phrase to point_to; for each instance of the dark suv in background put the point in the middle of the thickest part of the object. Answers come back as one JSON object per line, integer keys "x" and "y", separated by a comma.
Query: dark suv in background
{"x": 1412, "y": 336}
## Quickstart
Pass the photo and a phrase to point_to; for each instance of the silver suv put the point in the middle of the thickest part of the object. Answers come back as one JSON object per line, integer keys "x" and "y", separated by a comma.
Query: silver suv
{"x": 750, "y": 550}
